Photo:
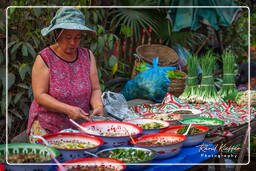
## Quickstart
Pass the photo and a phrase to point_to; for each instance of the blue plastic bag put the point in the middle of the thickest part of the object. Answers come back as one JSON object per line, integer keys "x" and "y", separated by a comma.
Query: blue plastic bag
{"x": 151, "y": 84}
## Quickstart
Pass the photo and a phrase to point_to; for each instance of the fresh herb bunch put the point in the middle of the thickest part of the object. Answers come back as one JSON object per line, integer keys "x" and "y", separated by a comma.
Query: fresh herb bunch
{"x": 207, "y": 93}
{"x": 128, "y": 156}
{"x": 228, "y": 90}
{"x": 192, "y": 80}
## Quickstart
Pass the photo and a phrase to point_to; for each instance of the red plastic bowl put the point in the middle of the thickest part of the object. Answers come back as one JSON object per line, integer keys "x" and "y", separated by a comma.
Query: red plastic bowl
{"x": 72, "y": 137}
{"x": 163, "y": 151}
{"x": 111, "y": 141}
{"x": 191, "y": 139}
{"x": 95, "y": 161}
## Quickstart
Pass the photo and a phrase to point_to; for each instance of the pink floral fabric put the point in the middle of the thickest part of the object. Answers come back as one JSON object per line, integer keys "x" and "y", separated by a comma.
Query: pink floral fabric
{"x": 69, "y": 83}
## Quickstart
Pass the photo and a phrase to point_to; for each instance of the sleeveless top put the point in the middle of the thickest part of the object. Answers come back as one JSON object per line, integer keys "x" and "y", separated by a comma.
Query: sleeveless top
{"x": 69, "y": 82}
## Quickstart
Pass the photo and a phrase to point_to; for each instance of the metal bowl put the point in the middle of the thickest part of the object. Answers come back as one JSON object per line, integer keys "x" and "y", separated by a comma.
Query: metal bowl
{"x": 69, "y": 154}
{"x": 145, "y": 120}
{"x": 24, "y": 149}
{"x": 163, "y": 151}
{"x": 191, "y": 140}
{"x": 150, "y": 152}
{"x": 106, "y": 162}
{"x": 98, "y": 128}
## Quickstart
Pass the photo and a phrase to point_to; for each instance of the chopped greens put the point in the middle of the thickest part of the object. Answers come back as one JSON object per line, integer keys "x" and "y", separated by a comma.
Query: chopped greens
{"x": 72, "y": 145}
{"x": 128, "y": 155}
{"x": 151, "y": 125}
{"x": 192, "y": 131}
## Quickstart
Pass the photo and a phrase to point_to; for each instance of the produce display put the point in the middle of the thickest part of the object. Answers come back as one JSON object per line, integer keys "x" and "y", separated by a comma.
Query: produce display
{"x": 151, "y": 125}
{"x": 128, "y": 155}
{"x": 174, "y": 74}
{"x": 72, "y": 145}
{"x": 207, "y": 93}
{"x": 190, "y": 91}
{"x": 202, "y": 121}
{"x": 93, "y": 168}
{"x": 242, "y": 98}
{"x": 228, "y": 90}
{"x": 114, "y": 134}
{"x": 164, "y": 117}
{"x": 192, "y": 130}
{"x": 25, "y": 158}
{"x": 183, "y": 112}
{"x": 159, "y": 142}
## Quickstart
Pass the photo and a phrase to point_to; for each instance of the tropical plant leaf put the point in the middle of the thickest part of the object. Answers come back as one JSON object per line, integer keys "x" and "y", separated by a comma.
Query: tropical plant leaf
{"x": 31, "y": 50}
{"x": 133, "y": 18}
{"x": 23, "y": 69}
{"x": 22, "y": 85}
{"x": 11, "y": 80}
{"x": 15, "y": 47}
{"x": 24, "y": 50}
{"x": 18, "y": 97}
{"x": 112, "y": 60}
{"x": 16, "y": 113}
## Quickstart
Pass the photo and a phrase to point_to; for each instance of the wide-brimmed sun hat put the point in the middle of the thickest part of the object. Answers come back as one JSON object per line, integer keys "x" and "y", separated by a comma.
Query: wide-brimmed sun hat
{"x": 67, "y": 18}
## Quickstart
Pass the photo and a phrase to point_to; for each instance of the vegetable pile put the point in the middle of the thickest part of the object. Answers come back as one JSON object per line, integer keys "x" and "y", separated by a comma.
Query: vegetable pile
{"x": 186, "y": 112}
{"x": 114, "y": 134}
{"x": 25, "y": 158}
{"x": 165, "y": 116}
{"x": 242, "y": 98}
{"x": 192, "y": 131}
{"x": 159, "y": 142}
{"x": 190, "y": 91}
{"x": 207, "y": 93}
{"x": 228, "y": 90}
{"x": 151, "y": 125}
{"x": 128, "y": 155}
{"x": 72, "y": 145}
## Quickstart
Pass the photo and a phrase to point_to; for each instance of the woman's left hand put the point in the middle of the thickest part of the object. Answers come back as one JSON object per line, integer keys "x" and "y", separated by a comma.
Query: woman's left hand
{"x": 98, "y": 112}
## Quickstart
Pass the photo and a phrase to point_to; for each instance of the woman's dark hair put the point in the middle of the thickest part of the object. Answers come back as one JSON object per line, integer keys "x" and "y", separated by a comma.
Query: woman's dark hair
{"x": 243, "y": 72}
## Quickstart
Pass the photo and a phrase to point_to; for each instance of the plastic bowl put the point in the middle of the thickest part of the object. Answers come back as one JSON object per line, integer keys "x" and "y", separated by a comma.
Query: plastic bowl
{"x": 69, "y": 154}
{"x": 191, "y": 139}
{"x": 25, "y": 149}
{"x": 211, "y": 123}
{"x": 145, "y": 120}
{"x": 161, "y": 116}
{"x": 152, "y": 154}
{"x": 163, "y": 151}
{"x": 106, "y": 162}
{"x": 113, "y": 133}
{"x": 194, "y": 113}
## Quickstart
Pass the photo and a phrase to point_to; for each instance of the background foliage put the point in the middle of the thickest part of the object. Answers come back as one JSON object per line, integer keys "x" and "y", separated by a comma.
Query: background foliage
{"x": 119, "y": 32}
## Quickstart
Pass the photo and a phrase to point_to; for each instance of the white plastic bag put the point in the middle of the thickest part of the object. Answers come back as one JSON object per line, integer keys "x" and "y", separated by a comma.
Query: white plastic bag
{"x": 116, "y": 106}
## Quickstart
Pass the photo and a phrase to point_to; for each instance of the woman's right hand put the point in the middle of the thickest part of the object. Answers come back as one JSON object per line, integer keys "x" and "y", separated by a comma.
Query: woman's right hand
{"x": 78, "y": 113}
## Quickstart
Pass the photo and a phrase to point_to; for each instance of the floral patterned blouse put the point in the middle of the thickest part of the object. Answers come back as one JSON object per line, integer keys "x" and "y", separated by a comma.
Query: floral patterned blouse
{"x": 69, "y": 82}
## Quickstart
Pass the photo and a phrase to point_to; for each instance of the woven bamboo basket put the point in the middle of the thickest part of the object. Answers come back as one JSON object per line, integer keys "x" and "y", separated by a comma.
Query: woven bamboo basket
{"x": 167, "y": 56}
{"x": 177, "y": 85}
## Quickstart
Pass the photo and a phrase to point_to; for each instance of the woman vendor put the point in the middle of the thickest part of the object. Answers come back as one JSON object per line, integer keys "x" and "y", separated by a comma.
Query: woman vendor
{"x": 64, "y": 77}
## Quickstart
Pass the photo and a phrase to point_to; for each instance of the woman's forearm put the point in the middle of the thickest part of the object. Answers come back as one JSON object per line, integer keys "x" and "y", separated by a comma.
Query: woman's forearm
{"x": 52, "y": 104}
{"x": 96, "y": 99}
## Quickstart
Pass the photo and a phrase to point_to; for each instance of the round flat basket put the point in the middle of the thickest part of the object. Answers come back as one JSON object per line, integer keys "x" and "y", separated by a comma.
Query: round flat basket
{"x": 167, "y": 56}
{"x": 177, "y": 85}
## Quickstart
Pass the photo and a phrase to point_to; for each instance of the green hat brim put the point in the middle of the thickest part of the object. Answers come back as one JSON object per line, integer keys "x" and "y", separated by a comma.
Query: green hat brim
{"x": 70, "y": 26}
